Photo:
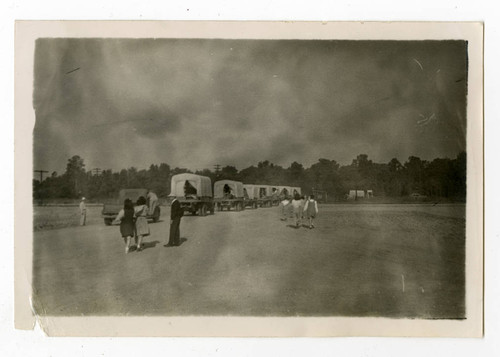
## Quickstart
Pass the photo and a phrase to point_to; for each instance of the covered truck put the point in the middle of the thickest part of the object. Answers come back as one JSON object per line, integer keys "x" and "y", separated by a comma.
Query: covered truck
{"x": 258, "y": 195}
{"x": 251, "y": 195}
{"x": 194, "y": 193}
{"x": 229, "y": 194}
{"x": 110, "y": 210}
{"x": 284, "y": 191}
{"x": 296, "y": 190}
{"x": 273, "y": 193}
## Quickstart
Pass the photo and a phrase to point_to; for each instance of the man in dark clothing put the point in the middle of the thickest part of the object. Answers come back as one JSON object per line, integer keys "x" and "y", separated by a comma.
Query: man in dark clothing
{"x": 176, "y": 212}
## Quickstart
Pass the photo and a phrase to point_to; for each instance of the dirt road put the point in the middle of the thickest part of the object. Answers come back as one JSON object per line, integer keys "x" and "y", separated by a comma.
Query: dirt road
{"x": 391, "y": 261}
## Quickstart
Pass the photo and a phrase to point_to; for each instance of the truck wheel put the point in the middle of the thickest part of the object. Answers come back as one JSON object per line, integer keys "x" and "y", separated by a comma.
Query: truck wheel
{"x": 242, "y": 206}
{"x": 108, "y": 221}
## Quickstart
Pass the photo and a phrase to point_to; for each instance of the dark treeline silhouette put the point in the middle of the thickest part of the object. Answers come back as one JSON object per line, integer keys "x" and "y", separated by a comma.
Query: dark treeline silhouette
{"x": 441, "y": 178}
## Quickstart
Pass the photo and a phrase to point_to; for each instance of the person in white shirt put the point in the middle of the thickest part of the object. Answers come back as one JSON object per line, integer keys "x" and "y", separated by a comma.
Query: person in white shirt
{"x": 83, "y": 212}
{"x": 297, "y": 209}
{"x": 152, "y": 200}
{"x": 284, "y": 208}
{"x": 311, "y": 210}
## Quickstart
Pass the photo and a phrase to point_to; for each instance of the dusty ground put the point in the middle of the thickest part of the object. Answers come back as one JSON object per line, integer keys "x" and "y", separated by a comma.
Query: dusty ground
{"x": 360, "y": 260}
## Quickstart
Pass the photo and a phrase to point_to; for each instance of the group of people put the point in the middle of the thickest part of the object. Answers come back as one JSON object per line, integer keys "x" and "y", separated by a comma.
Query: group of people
{"x": 134, "y": 223}
{"x": 301, "y": 207}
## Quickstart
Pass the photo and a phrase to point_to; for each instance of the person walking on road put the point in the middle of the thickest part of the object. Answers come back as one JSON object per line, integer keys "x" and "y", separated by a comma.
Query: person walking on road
{"x": 176, "y": 213}
{"x": 297, "y": 209}
{"x": 302, "y": 204}
{"x": 127, "y": 222}
{"x": 152, "y": 202}
{"x": 284, "y": 208}
{"x": 141, "y": 222}
{"x": 311, "y": 210}
{"x": 83, "y": 212}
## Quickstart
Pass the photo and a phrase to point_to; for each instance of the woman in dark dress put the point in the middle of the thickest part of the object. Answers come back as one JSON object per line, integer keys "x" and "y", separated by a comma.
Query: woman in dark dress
{"x": 127, "y": 222}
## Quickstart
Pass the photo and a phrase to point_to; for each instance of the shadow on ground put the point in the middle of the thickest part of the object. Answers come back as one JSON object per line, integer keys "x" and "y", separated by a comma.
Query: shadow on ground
{"x": 181, "y": 241}
{"x": 148, "y": 245}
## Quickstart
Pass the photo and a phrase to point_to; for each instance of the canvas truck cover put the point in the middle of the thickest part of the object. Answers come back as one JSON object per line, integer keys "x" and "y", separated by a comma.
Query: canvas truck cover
{"x": 269, "y": 190}
{"x": 263, "y": 191}
{"x": 131, "y": 193}
{"x": 235, "y": 186}
{"x": 273, "y": 190}
{"x": 288, "y": 189}
{"x": 202, "y": 185}
{"x": 252, "y": 191}
{"x": 297, "y": 189}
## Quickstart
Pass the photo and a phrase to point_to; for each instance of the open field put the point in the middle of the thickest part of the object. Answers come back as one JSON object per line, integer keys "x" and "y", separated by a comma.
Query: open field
{"x": 360, "y": 260}
{"x": 62, "y": 216}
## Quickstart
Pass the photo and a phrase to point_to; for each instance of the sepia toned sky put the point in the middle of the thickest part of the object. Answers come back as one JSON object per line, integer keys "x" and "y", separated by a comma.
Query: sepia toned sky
{"x": 195, "y": 103}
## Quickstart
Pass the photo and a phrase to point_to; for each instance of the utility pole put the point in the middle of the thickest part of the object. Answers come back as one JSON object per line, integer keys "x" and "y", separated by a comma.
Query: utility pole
{"x": 96, "y": 171}
{"x": 41, "y": 174}
{"x": 217, "y": 169}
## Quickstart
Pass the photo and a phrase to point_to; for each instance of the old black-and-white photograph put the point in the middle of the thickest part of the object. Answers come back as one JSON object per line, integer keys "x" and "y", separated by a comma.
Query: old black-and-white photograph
{"x": 250, "y": 177}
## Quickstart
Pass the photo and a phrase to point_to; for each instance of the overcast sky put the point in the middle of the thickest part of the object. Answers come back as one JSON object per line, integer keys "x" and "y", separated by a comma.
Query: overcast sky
{"x": 194, "y": 103}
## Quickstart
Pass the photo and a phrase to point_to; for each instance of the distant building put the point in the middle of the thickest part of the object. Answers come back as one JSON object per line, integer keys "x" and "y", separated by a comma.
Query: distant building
{"x": 320, "y": 195}
{"x": 355, "y": 194}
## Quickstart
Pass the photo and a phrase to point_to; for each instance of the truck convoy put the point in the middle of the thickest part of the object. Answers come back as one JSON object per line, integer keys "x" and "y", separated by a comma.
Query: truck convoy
{"x": 229, "y": 194}
{"x": 111, "y": 210}
{"x": 194, "y": 193}
{"x": 261, "y": 195}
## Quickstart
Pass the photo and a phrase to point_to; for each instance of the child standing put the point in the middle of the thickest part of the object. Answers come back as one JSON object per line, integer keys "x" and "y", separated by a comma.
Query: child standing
{"x": 127, "y": 222}
{"x": 297, "y": 209}
{"x": 141, "y": 222}
{"x": 311, "y": 210}
{"x": 302, "y": 204}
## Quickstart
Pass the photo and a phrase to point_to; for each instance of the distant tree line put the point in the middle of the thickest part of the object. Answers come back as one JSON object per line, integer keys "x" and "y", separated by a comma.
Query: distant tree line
{"x": 441, "y": 177}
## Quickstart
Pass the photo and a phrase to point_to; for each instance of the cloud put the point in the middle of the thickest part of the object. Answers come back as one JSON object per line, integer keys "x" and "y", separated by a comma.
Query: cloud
{"x": 194, "y": 103}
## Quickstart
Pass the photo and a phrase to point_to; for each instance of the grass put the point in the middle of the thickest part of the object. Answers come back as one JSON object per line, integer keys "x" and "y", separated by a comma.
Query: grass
{"x": 54, "y": 217}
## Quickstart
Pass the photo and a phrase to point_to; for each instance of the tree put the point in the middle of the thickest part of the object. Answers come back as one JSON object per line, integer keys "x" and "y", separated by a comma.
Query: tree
{"x": 75, "y": 176}
{"x": 296, "y": 174}
{"x": 394, "y": 165}
{"x": 228, "y": 173}
{"x": 414, "y": 169}
{"x": 324, "y": 175}
{"x": 460, "y": 176}
{"x": 393, "y": 184}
